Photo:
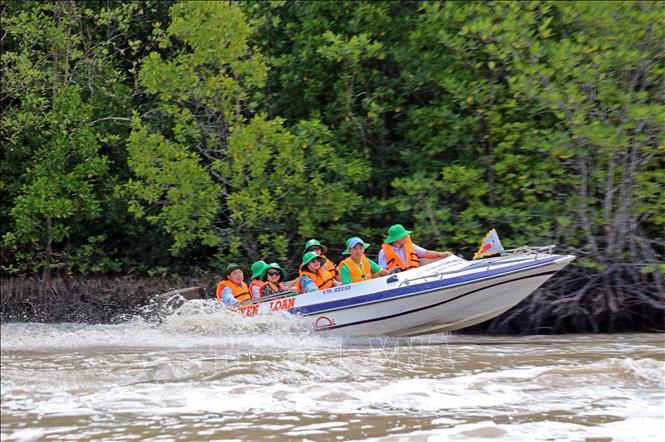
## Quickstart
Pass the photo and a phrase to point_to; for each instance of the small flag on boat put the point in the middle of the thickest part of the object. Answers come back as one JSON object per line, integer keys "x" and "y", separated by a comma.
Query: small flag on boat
{"x": 490, "y": 246}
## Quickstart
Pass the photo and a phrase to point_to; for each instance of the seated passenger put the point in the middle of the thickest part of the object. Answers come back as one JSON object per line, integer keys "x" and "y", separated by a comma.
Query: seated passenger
{"x": 357, "y": 267}
{"x": 272, "y": 277}
{"x": 312, "y": 277}
{"x": 256, "y": 284}
{"x": 315, "y": 246}
{"x": 232, "y": 289}
{"x": 399, "y": 253}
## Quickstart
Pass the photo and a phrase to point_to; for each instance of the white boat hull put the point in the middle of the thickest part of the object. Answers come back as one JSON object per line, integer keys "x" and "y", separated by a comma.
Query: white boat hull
{"x": 442, "y": 296}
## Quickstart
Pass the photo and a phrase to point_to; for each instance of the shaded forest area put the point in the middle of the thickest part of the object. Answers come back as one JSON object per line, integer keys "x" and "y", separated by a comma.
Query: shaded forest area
{"x": 154, "y": 140}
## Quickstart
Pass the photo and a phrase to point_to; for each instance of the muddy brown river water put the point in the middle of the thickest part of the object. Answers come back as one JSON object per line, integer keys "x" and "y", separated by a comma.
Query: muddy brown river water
{"x": 208, "y": 375}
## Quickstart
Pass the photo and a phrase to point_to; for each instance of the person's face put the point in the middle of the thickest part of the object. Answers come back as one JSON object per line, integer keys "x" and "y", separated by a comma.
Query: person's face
{"x": 357, "y": 251}
{"x": 401, "y": 242}
{"x": 274, "y": 275}
{"x": 315, "y": 249}
{"x": 314, "y": 265}
{"x": 236, "y": 276}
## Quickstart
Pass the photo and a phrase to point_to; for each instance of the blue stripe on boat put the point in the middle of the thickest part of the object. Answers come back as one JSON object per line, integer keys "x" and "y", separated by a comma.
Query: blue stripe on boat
{"x": 438, "y": 303}
{"x": 412, "y": 289}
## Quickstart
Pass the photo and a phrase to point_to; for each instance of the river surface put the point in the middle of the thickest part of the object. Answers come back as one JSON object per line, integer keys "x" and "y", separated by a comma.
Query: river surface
{"x": 205, "y": 374}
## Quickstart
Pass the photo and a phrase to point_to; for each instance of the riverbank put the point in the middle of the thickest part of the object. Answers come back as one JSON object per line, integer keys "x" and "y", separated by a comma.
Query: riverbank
{"x": 566, "y": 304}
{"x": 99, "y": 300}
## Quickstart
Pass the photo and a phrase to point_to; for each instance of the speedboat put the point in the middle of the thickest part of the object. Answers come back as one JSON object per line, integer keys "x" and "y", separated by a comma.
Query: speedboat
{"x": 444, "y": 295}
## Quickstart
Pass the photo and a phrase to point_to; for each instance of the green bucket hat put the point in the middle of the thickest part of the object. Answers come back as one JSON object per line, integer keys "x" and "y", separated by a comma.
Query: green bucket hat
{"x": 352, "y": 242}
{"x": 315, "y": 242}
{"x": 309, "y": 256}
{"x": 231, "y": 267}
{"x": 257, "y": 268}
{"x": 272, "y": 265}
{"x": 396, "y": 232}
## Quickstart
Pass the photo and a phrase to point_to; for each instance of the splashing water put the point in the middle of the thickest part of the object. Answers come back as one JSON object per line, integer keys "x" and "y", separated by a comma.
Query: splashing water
{"x": 203, "y": 373}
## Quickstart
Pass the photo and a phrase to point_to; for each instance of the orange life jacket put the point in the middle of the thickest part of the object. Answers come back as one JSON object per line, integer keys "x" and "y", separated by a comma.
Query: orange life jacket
{"x": 240, "y": 292}
{"x": 393, "y": 259}
{"x": 322, "y": 278}
{"x": 256, "y": 283}
{"x": 329, "y": 266}
{"x": 362, "y": 272}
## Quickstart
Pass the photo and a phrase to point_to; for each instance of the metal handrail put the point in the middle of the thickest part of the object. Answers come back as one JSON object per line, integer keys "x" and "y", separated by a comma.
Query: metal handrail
{"x": 528, "y": 250}
{"x": 277, "y": 295}
{"x": 509, "y": 253}
{"x": 440, "y": 275}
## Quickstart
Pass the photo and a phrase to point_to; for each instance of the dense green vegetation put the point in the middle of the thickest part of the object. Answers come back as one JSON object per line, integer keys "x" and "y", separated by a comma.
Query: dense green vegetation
{"x": 165, "y": 137}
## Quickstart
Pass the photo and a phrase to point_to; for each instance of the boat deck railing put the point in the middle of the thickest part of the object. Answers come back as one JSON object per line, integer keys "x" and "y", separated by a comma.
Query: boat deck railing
{"x": 277, "y": 295}
{"x": 528, "y": 250}
{"x": 508, "y": 254}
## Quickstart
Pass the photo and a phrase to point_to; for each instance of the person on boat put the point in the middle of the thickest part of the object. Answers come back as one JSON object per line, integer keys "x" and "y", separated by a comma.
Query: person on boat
{"x": 232, "y": 288}
{"x": 399, "y": 253}
{"x": 312, "y": 276}
{"x": 313, "y": 245}
{"x": 272, "y": 277}
{"x": 256, "y": 283}
{"x": 357, "y": 267}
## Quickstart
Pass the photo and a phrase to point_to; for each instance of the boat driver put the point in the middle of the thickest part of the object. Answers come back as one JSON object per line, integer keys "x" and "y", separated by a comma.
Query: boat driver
{"x": 399, "y": 253}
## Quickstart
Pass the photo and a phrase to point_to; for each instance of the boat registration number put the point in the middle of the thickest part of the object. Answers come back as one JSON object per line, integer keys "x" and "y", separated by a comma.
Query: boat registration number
{"x": 340, "y": 288}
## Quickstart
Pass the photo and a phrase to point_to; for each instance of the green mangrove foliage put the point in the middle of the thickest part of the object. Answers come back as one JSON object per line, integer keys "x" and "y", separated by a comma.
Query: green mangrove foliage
{"x": 158, "y": 137}
{"x": 209, "y": 167}
{"x": 57, "y": 82}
